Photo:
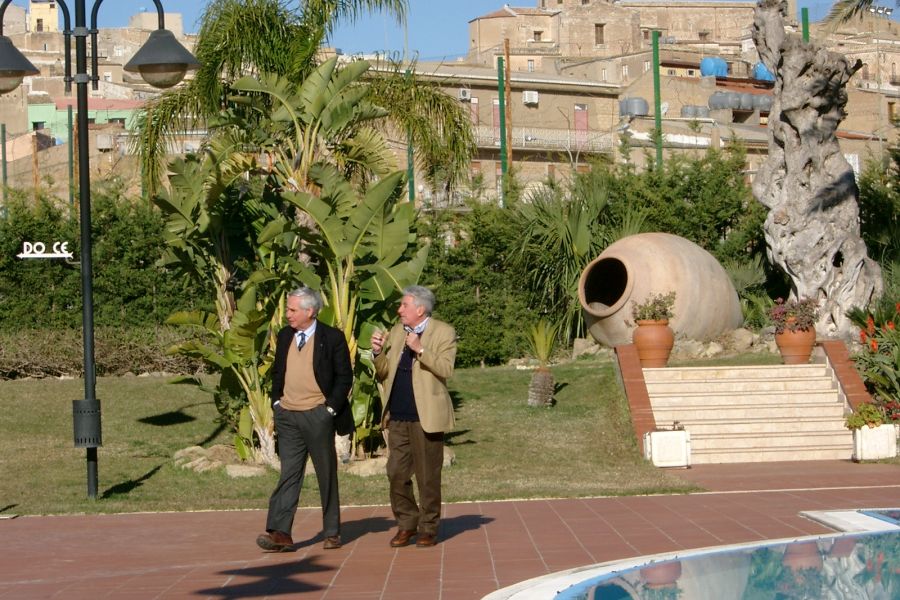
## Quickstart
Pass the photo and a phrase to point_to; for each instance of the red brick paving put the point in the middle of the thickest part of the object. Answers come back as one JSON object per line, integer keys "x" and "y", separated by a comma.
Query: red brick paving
{"x": 484, "y": 545}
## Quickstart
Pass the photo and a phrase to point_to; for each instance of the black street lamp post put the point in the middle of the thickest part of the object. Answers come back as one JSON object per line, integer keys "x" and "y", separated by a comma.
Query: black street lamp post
{"x": 162, "y": 62}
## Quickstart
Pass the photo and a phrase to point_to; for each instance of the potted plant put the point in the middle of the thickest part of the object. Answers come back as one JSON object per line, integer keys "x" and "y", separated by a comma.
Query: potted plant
{"x": 542, "y": 338}
{"x": 795, "y": 328}
{"x": 660, "y": 580}
{"x": 653, "y": 337}
{"x": 873, "y": 437}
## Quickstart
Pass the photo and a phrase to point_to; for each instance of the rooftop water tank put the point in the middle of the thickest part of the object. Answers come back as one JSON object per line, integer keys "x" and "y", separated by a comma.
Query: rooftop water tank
{"x": 714, "y": 65}
{"x": 730, "y": 100}
{"x": 691, "y": 111}
{"x": 762, "y": 73}
{"x": 762, "y": 102}
{"x": 633, "y": 107}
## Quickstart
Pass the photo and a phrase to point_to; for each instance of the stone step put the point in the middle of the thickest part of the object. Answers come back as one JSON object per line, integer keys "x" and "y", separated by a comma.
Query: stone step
{"x": 744, "y": 372}
{"x": 753, "y": 413}
{"x": 716, "y": 400}
{"x": 740, "y": 385}
{"x": 753, "y": 454}
{"x": 786, "y": 439}
{"x": 704, "y": 407}
{"x": 755, "y": 425}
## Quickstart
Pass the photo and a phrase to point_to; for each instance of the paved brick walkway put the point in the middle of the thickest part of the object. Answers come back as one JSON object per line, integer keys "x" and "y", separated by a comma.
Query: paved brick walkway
{"x": 484, "y": 545}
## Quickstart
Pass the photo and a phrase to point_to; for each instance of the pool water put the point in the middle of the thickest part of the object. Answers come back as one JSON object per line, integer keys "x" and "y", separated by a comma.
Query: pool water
{"x": 863, "y": 565}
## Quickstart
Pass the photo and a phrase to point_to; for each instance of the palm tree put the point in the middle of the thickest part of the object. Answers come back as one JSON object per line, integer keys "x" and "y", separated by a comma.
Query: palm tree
{"x": 562, "y": 231}
{"x": 542, "y": 339}
{"x": 241, "y": 38}
{"x": 844, "y": 10}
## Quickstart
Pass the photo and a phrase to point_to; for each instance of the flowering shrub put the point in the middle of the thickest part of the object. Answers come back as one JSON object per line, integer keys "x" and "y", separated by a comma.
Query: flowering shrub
{"x": 794, "y": 315}
{"x": 879, "y": 363}
{"x": 654, "y": 308}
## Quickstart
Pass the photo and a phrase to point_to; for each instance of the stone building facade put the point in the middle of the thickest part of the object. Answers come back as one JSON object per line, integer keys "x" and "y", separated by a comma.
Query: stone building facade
{"x": 38, "y": 34}
{"x": 594, "y": 45}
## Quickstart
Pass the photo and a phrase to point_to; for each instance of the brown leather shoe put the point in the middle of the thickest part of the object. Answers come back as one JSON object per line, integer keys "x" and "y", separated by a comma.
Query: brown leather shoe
{"x": 332, "y": 542}
{"x": 425, "y": 540}
{"x": 402, "y": 538}
{"x": 275, "y": 541}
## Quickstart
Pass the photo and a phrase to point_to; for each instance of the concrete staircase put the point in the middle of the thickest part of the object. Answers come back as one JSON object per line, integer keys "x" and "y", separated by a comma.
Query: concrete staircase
{"x": 753, "y": 414}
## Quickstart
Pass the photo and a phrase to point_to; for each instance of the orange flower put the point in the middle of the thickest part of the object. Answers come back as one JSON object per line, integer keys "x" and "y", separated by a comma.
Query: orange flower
{"x": 873, "y": 344}
{"x": 890, "y": 325}
{"x": 862, "y": 336}
{"x": 870, "y": 325}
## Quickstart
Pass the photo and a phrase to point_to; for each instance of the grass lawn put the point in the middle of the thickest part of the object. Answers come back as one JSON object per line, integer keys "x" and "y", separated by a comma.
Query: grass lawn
{"x": 583, "y": 446}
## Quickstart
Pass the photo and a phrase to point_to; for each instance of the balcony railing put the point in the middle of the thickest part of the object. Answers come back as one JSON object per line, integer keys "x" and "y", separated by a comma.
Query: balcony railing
{"x": 537, "y": 138}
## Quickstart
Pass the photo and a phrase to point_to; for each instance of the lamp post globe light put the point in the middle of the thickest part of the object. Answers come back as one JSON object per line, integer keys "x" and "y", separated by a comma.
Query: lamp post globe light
{"x": 162, "y": 62}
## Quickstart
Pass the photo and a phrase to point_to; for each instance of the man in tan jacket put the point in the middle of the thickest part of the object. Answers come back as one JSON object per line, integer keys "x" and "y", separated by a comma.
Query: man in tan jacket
{"x": 414, "y": 363}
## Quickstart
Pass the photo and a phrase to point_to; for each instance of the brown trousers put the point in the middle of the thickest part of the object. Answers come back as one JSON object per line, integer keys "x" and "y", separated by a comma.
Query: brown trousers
{"x": 412, "y": 451}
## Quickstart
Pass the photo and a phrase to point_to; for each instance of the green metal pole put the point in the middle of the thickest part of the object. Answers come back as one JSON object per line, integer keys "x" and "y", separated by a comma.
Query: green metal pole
{"x": 3, "y": 161}
{"x": 501, "y": 89}
{"x": 410, "y": 171}
{"x": 71, "y": 161}
{"x": 410, "y": 166}
{"x": 804, "y": 19}
{"x": 657, "y": 104}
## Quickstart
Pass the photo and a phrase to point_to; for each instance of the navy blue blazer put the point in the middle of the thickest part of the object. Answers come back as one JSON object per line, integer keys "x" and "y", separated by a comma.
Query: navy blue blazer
{"x": 331, "y": 367}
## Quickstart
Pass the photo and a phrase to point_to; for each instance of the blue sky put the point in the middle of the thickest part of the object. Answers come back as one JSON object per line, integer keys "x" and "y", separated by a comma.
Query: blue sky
{"x": 435, "y": 29}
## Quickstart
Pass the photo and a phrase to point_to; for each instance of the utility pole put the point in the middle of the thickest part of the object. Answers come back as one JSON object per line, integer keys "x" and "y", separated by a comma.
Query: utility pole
{"x": 509, "y": 157}
{"x": 656, "y": 101}
{"x": 35, "y": 167}
{"x": 501, "y": 99}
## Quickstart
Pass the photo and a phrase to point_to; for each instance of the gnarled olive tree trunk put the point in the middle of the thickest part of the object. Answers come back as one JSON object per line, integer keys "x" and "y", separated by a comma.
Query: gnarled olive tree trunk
{"x": 812, "y": 229}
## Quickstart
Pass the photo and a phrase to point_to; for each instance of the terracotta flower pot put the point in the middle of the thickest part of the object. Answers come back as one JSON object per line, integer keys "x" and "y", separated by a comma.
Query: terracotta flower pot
{"x": 654, "y": 341}
{"x": 842, "y": 547}
{"x": 795, "y": 346}
{"x": 661, "y": 575}
{"x": 802, "y": 555}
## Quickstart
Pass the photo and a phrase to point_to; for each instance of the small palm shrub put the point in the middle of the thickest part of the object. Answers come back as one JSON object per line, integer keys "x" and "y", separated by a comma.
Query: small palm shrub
{"x": 542, "y": 339}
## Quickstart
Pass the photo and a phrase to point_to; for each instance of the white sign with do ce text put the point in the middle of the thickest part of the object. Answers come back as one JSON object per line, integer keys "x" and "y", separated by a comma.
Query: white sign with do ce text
{"x": 39, "y": 250}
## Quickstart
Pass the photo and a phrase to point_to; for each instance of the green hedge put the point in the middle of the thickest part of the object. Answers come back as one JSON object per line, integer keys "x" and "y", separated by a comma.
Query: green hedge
{"x": 128, "y": 288}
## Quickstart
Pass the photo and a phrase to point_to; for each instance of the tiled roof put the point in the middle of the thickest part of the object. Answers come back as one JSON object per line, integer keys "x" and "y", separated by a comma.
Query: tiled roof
{"x": 101, "y": 104}
{"x": 512, "y": 11}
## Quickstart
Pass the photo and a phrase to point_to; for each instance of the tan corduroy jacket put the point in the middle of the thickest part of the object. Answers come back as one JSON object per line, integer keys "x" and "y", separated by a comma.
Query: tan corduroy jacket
{"x": 429, "y": 374}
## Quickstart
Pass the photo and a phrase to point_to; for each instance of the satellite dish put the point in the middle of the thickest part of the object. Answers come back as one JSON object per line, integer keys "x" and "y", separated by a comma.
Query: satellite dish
{"x": 664, "y": 108}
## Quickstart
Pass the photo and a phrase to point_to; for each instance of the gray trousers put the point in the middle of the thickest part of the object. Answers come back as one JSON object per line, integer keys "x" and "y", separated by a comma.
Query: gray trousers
{"x": 303, "y": 434}
{"x": 412, "y": 451}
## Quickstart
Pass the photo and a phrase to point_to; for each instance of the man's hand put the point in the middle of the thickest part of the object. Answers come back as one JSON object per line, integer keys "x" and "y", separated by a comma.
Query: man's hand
{"x": 377, "y": 341}
{"x": 413, "y": 342}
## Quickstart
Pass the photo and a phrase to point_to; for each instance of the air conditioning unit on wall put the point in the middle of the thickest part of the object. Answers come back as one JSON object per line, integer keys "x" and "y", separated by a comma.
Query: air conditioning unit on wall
{"x": 529, "y": 97}
{"x": 464, "y": 94}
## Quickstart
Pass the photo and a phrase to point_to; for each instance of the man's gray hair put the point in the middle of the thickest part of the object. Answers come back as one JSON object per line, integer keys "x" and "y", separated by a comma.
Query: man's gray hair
{"x": 309, "y": 298}
{"x": 421, "y": 296}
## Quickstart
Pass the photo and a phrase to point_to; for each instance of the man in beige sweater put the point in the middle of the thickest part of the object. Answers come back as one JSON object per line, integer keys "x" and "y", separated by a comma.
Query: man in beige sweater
{"x": 311, "y": 379}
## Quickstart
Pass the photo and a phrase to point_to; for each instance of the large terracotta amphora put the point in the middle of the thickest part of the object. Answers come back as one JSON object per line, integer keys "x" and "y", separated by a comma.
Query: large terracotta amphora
{"x": 638, "y": 266}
